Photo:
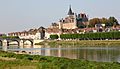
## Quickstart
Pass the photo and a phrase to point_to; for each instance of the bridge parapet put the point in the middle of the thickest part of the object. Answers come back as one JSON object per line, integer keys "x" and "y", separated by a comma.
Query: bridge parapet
{"x": 5, "y": 42}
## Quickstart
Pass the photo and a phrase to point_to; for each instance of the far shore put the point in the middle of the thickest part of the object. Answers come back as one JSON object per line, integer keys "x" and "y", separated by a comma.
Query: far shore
{"x": 81, "y": 42}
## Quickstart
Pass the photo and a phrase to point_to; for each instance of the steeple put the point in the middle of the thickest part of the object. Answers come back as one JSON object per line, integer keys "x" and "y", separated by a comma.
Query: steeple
{"x": 70, "y": 11}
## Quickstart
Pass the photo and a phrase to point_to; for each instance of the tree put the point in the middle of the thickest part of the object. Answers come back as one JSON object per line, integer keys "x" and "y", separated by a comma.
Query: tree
{"x": 94, "y": 21}
{"x": 104, "y": 20}
{"x": 92, "y": 36}
{"x": 54, "y": 36}
{"x": 112, "y": 21}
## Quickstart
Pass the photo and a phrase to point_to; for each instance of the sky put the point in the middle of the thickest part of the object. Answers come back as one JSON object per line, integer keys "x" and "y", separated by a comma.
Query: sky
{"x": 20, "y": 15}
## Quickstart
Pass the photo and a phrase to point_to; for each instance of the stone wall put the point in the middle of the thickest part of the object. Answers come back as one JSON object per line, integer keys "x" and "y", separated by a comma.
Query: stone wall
{"x": 69, "y": 25}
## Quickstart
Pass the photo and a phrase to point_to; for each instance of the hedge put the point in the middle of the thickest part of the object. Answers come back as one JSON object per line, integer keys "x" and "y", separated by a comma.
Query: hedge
{"x": 89, "y": 36}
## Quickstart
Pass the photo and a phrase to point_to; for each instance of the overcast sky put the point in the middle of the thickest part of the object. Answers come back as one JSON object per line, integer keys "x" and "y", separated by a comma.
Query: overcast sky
{"x": 20, "y": 15}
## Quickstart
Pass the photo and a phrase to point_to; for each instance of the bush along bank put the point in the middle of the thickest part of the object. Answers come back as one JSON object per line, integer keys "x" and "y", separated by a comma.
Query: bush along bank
{"x": 90, "y": 36}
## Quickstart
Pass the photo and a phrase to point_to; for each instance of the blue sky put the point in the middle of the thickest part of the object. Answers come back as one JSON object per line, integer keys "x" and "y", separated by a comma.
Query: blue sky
{"x": 19, "y": 15}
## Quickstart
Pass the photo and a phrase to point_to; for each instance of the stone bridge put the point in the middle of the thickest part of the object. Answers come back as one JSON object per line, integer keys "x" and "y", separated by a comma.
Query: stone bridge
{"x": 20, "y": 42}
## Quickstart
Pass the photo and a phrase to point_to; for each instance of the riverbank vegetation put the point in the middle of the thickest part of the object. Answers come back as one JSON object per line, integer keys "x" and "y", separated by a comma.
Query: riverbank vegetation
{"x": 85, "y": 43}
{"x": 87, "y": 39}
{"x": 90, "y": 36}
{"x": 88, "y": 43}
{"x": 47, "y": 62}
{"x": 9, "y": 37}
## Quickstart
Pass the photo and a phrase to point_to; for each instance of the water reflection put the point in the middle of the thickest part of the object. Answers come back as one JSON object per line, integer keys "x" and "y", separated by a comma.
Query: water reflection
{"x": 100, "y": 54}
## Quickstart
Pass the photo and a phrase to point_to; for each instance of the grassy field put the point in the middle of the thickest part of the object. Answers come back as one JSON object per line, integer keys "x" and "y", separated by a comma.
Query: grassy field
{"x": 24, "y": 61}
{"x": 84, "y": 42}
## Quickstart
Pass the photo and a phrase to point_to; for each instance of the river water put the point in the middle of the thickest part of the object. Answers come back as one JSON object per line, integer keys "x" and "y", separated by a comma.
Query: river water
{"x": 99, "y": 54}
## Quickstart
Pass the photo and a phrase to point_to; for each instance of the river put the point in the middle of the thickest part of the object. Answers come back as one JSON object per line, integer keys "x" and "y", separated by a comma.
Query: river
{"x": 99, "y": 54}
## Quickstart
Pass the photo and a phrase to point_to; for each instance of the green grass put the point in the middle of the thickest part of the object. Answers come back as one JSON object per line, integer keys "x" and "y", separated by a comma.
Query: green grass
{"x": 85, "y": 43}
{"x": 24, "y": 61}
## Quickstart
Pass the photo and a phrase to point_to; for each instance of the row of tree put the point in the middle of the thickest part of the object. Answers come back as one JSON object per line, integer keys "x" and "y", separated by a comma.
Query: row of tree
{"x": 89, "y": 36}
{"x": 9, "y": 37}
{"x": 111, "y": 21}
{"x": 54, "y": 36}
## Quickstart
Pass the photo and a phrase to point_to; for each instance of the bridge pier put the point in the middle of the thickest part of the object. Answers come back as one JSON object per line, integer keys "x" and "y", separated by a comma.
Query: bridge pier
{"x": 4, "y": 45}
{"x": 59, "y": 52}
{"x": 21, "y": 44}
{"x": 32, "y": 45}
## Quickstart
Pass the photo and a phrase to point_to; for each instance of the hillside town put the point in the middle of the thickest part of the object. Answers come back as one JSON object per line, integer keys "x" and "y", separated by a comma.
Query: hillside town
{"x": 72, "y": 23}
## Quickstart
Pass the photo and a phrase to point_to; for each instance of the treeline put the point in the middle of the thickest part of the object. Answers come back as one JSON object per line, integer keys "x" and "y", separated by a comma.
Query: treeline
{"x": 89, "y": 36}
{"x": 54, "y": 36}
{"x": 9, "y": 37}
{"x": 111, "y": 21}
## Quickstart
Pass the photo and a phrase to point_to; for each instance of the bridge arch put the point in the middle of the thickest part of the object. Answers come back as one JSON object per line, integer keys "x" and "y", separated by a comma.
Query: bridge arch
{"x": 28, "y": 40}
{"x": 17, "y": 42}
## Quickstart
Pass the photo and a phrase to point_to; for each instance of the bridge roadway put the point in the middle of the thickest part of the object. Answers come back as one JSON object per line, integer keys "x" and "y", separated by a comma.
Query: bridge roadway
{"x": 20, "y": 42}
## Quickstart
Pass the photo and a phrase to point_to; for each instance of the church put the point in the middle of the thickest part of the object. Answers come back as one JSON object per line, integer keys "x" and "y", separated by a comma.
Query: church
{"x": 72, "y": 21}
{"x": 70, "y": 24}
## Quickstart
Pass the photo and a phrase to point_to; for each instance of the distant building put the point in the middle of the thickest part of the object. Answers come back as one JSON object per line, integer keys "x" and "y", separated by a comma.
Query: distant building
{"x": 30, "y": 34}
{"x": 72, "y": 23}
{"x": 50, "y": 31}
{"x": 54, "y": 25}
{"x": 100, "y": 27}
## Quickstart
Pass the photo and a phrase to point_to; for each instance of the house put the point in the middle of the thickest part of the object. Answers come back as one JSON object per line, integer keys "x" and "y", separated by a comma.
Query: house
{"x": 100, "y": 27}
{"x": 30, "y": 34}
